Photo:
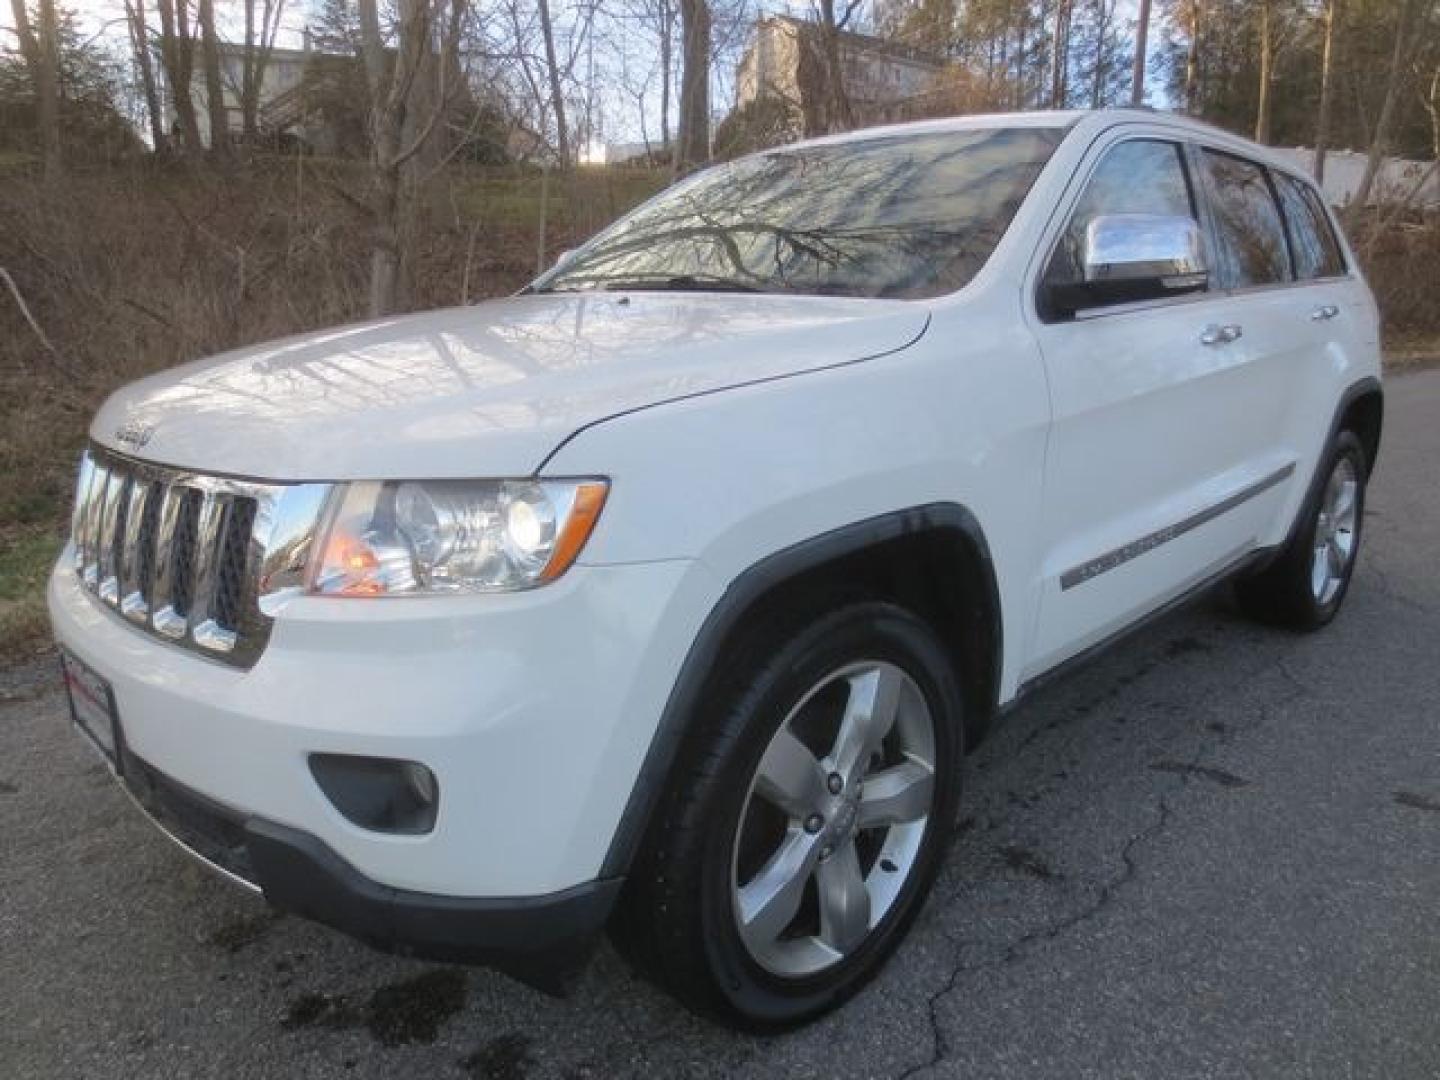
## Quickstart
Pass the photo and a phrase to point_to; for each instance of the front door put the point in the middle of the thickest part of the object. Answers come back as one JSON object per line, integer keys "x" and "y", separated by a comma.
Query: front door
{"x": 1161, "y": 466}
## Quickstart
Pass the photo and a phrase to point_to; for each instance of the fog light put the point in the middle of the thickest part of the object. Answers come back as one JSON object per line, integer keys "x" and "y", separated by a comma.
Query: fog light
{"x": 380, "y": 794}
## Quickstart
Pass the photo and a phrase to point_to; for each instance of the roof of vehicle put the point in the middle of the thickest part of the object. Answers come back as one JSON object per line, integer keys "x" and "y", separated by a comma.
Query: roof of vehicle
{"x": 1097, "y": 119}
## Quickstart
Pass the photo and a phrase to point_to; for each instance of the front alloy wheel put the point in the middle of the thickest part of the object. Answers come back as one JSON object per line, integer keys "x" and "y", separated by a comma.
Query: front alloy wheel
{"x": 807, "y": 816}
{"x": 834, "y": 818}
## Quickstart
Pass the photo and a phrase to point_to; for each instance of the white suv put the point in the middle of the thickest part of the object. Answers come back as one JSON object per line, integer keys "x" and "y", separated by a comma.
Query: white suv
{"x": 668, "y": 593}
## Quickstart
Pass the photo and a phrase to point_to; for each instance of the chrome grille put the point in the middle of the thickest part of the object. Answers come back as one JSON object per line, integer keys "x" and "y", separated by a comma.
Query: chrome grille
{"x": 198, "y": 560}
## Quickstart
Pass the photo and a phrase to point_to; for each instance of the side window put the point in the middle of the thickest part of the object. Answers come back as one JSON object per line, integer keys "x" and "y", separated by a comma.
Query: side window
{"x": 1317, "y": 252}
{"x": 1144, "y": 176}
{"x": 1251, "y": 233}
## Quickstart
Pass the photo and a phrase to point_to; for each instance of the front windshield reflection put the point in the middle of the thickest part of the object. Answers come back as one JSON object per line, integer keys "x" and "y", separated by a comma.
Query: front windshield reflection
{"x": 906, "y": 216}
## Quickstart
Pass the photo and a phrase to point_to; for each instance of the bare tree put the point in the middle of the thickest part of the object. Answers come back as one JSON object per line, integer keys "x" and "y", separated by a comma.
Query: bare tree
{"x": 1142, "y": 35}
{"x": 405, "y": 111}
{"x": 1327, "y": 66}
{"x": 1060, "y": 48}
{"x": 259, "y": 44}
{"x": 40, "y": 47}
{"x": 557, "y": 91}
{"x": 140, "y": 44}
{"x": 692, "y": 144}
{"x": 214, "y": 89}
{"x": 840, "y": 115}
{"x": 1267, "y": 70}
{"x": 177, "y": 56}
{"x": 1387, "y": 108}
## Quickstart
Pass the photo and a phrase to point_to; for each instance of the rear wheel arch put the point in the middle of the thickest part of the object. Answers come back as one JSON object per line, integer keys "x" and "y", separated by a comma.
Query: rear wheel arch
{"x": 932, "y": 559}
{"x": 1363, "y": 412}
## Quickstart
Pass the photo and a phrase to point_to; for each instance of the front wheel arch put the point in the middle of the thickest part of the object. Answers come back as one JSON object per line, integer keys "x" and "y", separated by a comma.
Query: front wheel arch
{"x": 933, "y": 559}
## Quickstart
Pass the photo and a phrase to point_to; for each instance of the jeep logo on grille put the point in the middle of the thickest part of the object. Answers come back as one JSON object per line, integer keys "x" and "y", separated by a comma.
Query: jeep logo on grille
{"x": 134, "y": 434}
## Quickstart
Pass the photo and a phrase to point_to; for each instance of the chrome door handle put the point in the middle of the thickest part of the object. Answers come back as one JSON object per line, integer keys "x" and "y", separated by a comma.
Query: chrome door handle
{"x": 1215, "y": 334}
{"x": 1324, "y": 311}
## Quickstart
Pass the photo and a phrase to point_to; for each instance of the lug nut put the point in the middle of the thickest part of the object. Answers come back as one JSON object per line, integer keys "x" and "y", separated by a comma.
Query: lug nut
{"x": 835, "y": 782}
{"x": 814, "y": 823}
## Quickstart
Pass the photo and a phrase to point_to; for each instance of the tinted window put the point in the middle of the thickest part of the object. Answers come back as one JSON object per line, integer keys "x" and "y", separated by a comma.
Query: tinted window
{"x": 904, "y": 216}
{"x": 1140, "y": 177}
{"x": 1252, "y": 238}
{"x": 1312, "y": 241}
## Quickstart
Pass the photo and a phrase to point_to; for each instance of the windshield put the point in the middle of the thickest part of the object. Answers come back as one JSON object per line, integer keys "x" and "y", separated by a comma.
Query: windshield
{"x": 908, "y": 216}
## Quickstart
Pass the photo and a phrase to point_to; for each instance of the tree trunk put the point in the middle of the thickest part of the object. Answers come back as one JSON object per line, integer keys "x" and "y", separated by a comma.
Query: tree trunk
{"x": 667, "y": 66}
{"x": 557, "y": 92}
{"x": 41, "y": 49}
{"x": 1060, "y": 47}
{"x": 1021, "y": 75}
{"x": 387, "y": 119}
{"x": 1142, "y": 36}
{"x": 214, "y": 89}
{"x": 177, "y": 54}
{"x": 1267, "y": 70}
{"x": 1192, "y": 57}
{"x": 140, "y": 42}
{"x": 837, "y": 98}
{"x": 692, "y": 147}
{"x": 1387, "y": 109}
{"x": 1322, "y": 118}
{"x": 249, "y": 98}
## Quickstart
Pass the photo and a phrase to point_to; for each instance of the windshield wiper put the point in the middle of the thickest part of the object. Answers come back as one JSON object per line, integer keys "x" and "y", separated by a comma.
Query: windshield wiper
{"x": 679, "y": 283}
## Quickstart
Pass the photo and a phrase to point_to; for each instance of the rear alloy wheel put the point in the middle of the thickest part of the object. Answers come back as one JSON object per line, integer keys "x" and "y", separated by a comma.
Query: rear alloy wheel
{"x": 807, "y": 817}
{"x": 1305, "y": 585}
{"x": 1336, "y": 532}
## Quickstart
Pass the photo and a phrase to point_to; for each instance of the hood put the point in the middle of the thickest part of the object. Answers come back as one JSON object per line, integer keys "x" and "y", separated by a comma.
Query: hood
{"x": 488, "y": 390}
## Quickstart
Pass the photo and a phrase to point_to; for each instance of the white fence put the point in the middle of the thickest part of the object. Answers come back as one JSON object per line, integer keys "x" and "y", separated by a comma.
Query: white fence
{"x": 1398, "y": 178}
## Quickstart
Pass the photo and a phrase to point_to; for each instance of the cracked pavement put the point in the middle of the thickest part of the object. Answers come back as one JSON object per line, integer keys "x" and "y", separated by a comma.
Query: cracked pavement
{"x": 1213, "y": 852}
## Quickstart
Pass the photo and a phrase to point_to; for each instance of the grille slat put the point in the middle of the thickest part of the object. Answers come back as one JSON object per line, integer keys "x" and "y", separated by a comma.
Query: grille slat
{"x": 184, "y": 555}
{"x": 115, "y": 485}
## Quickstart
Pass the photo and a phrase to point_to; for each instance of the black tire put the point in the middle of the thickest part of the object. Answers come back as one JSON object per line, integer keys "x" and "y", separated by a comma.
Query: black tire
{"x": 678, "y": 916}
{"x": 1284, "y": 593}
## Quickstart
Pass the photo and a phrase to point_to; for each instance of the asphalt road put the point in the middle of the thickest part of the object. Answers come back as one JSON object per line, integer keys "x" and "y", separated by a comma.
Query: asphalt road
{"x": 1215, "y": 852}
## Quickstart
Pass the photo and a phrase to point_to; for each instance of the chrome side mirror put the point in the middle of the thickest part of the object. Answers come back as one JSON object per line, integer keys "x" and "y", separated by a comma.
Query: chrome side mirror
{"x": 1145, "y": 247}
{"x": 1132, "y": 257}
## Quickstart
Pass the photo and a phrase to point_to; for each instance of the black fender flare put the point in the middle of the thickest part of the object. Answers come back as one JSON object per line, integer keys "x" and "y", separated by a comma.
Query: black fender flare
{"x": 741, "y": 594}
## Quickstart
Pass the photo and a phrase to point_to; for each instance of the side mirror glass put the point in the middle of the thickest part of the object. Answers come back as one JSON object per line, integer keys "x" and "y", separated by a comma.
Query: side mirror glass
{"x": 564, "y": 257}
{"x": 1130, "y": 257}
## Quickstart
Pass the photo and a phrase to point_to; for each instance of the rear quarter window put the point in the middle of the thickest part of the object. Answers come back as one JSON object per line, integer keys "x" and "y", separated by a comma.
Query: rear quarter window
{"x": 1312, "y": 238}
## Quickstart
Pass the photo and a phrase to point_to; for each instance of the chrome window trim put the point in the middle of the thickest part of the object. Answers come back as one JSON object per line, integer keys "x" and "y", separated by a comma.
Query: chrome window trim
{"x": 1119, "y": 556}
{"x": 286, "y": 516}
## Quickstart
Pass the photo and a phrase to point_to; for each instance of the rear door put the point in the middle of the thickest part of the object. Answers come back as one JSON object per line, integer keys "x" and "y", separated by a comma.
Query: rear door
{"x": 1162, "y": 468}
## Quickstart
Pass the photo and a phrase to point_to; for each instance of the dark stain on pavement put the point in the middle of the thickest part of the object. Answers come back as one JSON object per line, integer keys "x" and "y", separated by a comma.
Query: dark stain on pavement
{"x": 1204, "y": 772}
{"x": 1185, "y": 646}
{"x": 1417, "y": 802}
{"x": 320, "y": 1010}
{"x": 407, "y": 1011}
{"x": 8, "y": 788}
{"x": 505, "y": 1057}
{"x": 234, "y": 935}
{"x": 1026, "y": 862}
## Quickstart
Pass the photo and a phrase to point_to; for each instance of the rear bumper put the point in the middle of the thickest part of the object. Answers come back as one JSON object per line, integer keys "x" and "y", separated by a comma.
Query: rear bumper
{"x": 540, "y": 940}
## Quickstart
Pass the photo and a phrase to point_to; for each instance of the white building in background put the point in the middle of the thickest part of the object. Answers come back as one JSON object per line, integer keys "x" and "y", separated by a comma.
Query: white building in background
{"x": 878, "y": 73}
{"x": 280, "y": 86}
{"x": 1397, "y": 179}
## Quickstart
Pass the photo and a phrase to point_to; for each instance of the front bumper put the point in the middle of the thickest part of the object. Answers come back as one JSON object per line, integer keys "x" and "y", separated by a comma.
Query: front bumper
{"x": 541, "y": 940}
{"x": 534, "y": 711}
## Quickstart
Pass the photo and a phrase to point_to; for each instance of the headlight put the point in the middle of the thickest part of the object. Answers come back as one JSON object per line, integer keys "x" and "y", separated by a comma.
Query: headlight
{"x": 453, "y": 536}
